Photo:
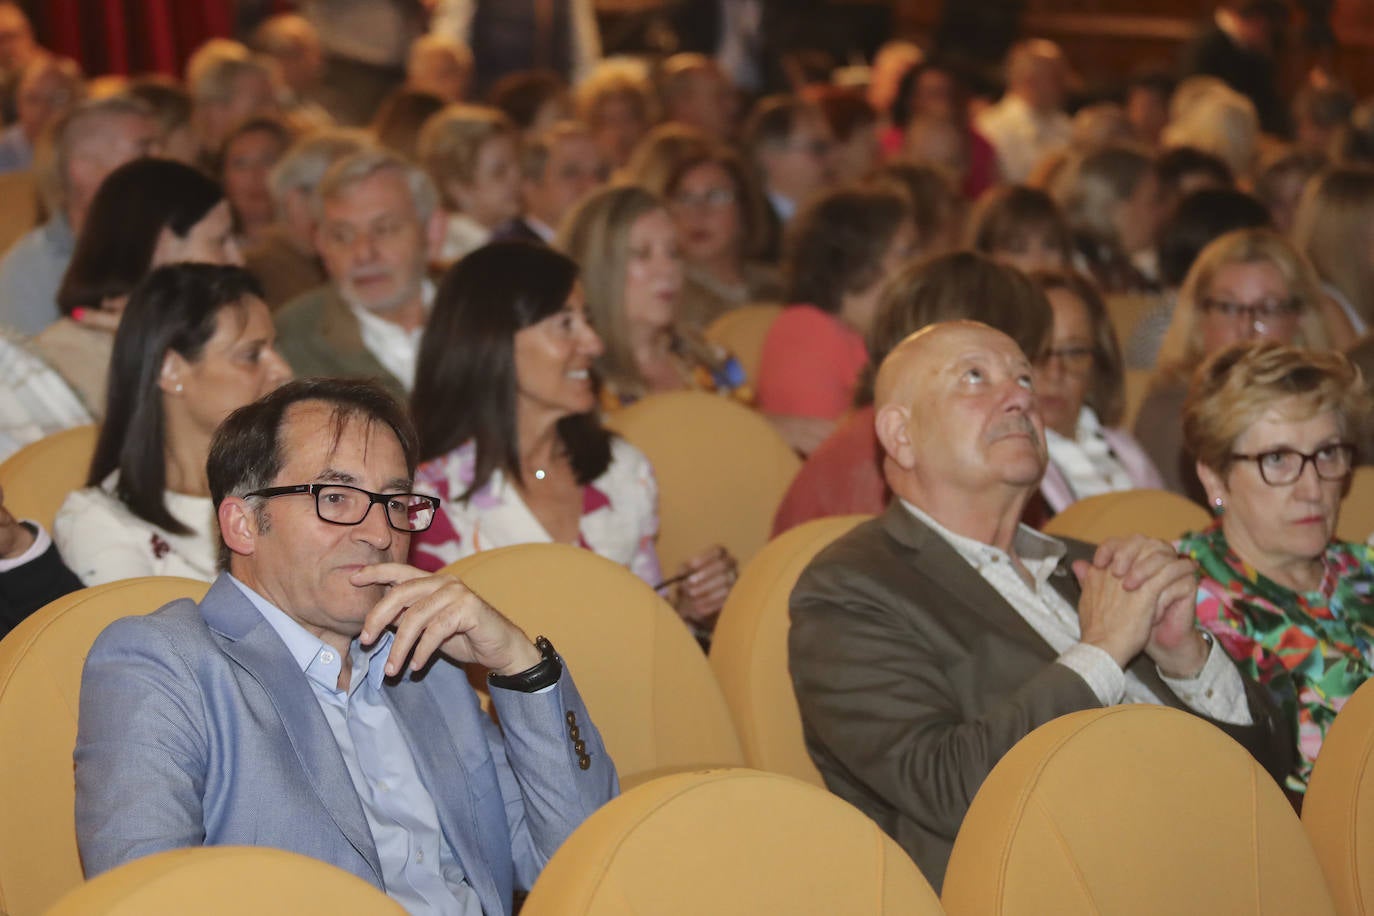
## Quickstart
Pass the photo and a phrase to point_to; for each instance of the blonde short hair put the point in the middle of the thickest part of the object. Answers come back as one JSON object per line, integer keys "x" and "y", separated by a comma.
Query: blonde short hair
{"x": 1233, "y": 389}
{"x": 597, "y": 236}
{"x": 611, "y": 78}
{"x": 1181, "y": 352}
{"x": 452, "y": 138}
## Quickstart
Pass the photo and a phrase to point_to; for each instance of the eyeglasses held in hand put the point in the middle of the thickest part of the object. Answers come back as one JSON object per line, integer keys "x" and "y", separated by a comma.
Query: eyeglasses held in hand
{"x": 1285, "y": 465}
{"x": 338, "y": 504}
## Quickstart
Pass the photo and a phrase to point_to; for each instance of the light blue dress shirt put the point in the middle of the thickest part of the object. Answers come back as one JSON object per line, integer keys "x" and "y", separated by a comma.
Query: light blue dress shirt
{"x": 418, "y": 867}
{"x": 30, "y": 275}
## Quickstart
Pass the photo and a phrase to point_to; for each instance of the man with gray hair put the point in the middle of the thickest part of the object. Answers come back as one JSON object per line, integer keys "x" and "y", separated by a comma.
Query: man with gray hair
{"x": 228, "y": 85}
{"x": 284, "y": 258}
{"x": 1029, "y": 121}
{"x": 558, "y": 168}
{"x": 377, "y": 225}
{"x": 82, "y": 146}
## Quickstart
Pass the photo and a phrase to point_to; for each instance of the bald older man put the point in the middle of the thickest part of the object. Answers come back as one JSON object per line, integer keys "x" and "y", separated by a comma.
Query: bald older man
{"x": 925, "y": 643}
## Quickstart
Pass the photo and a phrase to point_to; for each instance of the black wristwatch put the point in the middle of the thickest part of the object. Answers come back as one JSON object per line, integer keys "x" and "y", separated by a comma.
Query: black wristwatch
{"x": 545, "y": 674}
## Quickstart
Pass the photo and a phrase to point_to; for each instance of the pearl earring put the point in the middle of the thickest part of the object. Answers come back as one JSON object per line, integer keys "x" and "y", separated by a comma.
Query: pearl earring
{"x": 178, "y": 391}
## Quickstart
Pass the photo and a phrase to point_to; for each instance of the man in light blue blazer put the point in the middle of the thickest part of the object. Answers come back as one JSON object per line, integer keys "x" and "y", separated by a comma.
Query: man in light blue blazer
{"x": 314, "y": 700}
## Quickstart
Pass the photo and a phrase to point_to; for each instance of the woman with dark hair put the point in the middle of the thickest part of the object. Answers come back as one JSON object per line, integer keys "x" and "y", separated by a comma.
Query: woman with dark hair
{"x": 1080, "y": 384}
{"x": 934, "y": 93}
{"x": 147, "y": 213}
{"x": 844, "y": 246}
{"x": 245, "y": 160}
{"x": 194, "y": 344}
{"x": 506, "y": 408}
{"x": 1023, "y": 227}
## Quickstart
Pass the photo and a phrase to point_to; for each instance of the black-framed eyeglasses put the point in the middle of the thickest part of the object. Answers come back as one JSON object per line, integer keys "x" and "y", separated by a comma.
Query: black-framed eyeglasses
{"x": 1073, "y": 360}
{"x": 1265, "y": 312}
{"x": 1285, "y": 465}
{"x": 339, "y": 504}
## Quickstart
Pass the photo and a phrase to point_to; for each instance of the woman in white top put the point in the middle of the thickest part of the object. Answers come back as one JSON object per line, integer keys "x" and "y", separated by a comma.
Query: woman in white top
{"x": 194, "y": 344}
{"x": 1079, "y": 384}
{"x": 510, "y": 439}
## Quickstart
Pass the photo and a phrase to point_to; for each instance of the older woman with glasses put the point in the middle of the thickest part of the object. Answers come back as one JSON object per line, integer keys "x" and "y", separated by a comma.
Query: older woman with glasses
{"x": 1079, "y": 383}
{"x": 1246, "y": 284}
{"x": 1271, "y": 426}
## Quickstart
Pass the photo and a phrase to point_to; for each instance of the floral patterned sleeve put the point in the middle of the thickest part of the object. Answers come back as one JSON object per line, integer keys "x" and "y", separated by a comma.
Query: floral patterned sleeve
{"x": 439, "y": 545}
{"x": 645, "y": 561}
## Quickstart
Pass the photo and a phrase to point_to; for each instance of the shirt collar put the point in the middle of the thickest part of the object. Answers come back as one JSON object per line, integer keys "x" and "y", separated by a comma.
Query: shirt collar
{"x": 317, "y": 661}
{"x": 1039, "y": 553}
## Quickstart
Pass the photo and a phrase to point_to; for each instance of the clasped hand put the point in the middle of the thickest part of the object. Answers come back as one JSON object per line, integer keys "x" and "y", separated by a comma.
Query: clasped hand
{"x": 437, "y": 613}
{"x": 1139, "y": 595}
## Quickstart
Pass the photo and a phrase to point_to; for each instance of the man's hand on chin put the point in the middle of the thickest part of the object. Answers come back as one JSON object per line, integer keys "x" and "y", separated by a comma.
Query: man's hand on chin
{"x": 434, "y": 612}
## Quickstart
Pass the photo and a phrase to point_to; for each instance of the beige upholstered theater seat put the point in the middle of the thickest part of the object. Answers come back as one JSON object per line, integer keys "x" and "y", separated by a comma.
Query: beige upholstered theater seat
{"x": 742, "y": 331}
{"x": 1132, "y": 809}
{"x": 645, "y": 681}
{"x": 1155, "y": 513}
{"x": 730, "y": 843}
{"x": 40, "y": 685}
{"x": 749, "y": 650}
{"x": 1338, "y": 812}
{"x": 226, "y": 881}
{"x": 38, "y": 477}
{"x": 1356, "y": 522}
{"x": 18, "y": 207}
{"x": 722, "y": 471}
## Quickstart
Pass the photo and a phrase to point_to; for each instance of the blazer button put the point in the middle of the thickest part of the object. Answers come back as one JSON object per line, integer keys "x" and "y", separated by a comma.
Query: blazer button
{"x": 573, "y": 733}
{"x": 580, "y": 747}
{"x": 571, "y": 717}
{"x": 584, "y": 762}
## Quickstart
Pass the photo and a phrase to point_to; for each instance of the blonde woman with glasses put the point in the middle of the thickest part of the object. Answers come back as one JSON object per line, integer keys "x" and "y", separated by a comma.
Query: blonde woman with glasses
{"x": 1272, "y": 427}
{"x": 1247, "y": 284}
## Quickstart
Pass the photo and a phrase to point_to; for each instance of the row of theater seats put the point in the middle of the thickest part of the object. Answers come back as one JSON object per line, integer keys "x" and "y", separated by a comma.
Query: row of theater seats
{"x": 1130, "y": 809}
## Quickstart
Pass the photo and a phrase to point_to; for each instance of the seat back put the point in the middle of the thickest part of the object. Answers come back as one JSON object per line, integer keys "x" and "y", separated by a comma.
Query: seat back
{"x": 38, "y": 477}
{"x": 20, "y": 211}
{"x": 742, "y": 331}
{"x": 729, "y": 843}
{"x": 648, "y": 687}
{"x": 1356, "y": 522}
{"x": 1131, "y": 809}
{"x": 40, "y": 687}
{"x": 1154, "y": 513}
{"x": 749, "y": 649}
{"x": 722, "y": 471}
{"x": 1338, "y": 812}
{"x": 226, "y": 881}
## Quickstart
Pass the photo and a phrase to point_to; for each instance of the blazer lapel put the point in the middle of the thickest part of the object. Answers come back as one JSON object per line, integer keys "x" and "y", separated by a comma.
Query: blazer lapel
{"x": 252, "y": 643}
{"x": 958, "y": 583}
{"x": 436, "y": 757}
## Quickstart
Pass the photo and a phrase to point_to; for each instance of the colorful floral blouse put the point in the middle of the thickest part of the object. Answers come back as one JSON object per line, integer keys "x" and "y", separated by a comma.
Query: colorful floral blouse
{"x": 704, "y": 366}
{"x": 1311, "y": 649}
{"x": 619, "y": 512}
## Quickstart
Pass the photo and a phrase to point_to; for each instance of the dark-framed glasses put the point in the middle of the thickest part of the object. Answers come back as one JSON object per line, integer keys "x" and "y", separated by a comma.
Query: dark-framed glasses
{"x": 1264, "y": 312}
{"x": 1285, "y": 465}
{"x": 339, "y": 504}
{"x": 1073, "y": 360}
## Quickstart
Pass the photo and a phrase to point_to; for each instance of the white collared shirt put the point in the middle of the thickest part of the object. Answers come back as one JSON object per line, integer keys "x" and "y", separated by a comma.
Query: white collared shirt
{"x": 1087, "y": 462}
{"x": 1023, "y": 137}
{"x": 395, "y": 347}
{"x": 1217, "y": 691}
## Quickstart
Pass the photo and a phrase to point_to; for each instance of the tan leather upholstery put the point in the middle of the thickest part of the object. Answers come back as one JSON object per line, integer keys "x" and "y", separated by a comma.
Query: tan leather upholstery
{"x": 749, "y": 650}
{"x": 19, "y": 212}
{"x": 722, "y": 471}
{"x": 1356, "y": 522}
{"x": 729, "y": 843}
{"x": 1131, "y": 809}
{"x": 1156, "y": 513}
{"x": 1339, "y": 809}
{"x": 226, "y": 881}
{"x": 38, "y": 477}
{"x": 40, "y": 685}
{"x": 742, "y": 332}
{"x": 644, "y": 679}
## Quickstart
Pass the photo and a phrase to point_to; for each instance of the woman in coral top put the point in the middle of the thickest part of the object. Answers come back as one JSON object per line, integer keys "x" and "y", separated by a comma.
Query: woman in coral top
{"x": 845, "y": 245}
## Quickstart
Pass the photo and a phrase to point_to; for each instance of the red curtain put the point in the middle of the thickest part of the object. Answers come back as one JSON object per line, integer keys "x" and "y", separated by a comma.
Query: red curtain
{"x": 132, "y": 36}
